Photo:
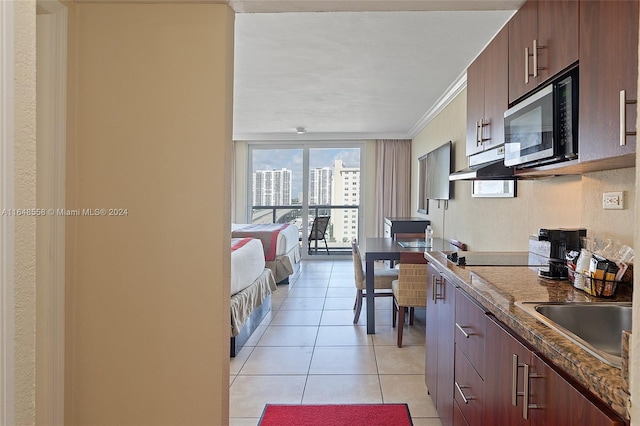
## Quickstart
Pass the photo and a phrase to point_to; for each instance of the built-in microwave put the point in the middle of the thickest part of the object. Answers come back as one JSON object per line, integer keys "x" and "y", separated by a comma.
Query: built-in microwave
{"x": 543, "y": 128}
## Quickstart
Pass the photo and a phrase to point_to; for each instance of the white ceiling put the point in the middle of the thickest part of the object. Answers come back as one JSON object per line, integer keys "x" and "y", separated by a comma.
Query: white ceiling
{"x": 353, "y": 74}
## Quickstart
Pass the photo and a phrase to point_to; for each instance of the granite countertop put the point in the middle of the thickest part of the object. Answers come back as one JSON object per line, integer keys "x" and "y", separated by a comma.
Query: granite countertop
{"x": 496, "y": 288}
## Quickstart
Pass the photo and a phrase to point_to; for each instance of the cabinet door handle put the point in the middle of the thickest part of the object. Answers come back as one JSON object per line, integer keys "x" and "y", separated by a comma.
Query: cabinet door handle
{"x": 514, "y": 383}
{"x": 478, "y": 133}
{"x": 464, "y": 398}
{"x": 535, "y": 58}
{"x": 525, "y": 403}
{"x": 526, "y": 65}
{"x": 623, "y": 117}
{"x": 434, "y": 286}
{"x": 466, "y": 335}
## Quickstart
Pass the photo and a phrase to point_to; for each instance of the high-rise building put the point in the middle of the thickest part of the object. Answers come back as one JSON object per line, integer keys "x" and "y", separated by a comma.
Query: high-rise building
{"x": 272, "y": 187}
{"x": 320, "y": 186}
{"x": 346, "y": 192}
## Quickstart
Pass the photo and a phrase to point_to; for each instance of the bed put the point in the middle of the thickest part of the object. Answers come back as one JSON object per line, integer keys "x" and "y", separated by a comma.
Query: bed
{"x": 280, "y": 243}
{"x": 251, "y": 287}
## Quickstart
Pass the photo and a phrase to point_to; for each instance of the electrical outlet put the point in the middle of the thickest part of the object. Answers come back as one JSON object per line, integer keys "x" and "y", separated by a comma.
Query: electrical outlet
{"x": 613, "y": 200}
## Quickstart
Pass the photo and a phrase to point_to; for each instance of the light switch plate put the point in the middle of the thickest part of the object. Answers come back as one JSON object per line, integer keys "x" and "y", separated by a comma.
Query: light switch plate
{"x": 613, "y": 200}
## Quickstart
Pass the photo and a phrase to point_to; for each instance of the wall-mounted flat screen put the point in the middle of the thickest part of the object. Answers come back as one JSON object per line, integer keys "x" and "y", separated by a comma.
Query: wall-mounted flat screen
{"x": 434, "y": 169}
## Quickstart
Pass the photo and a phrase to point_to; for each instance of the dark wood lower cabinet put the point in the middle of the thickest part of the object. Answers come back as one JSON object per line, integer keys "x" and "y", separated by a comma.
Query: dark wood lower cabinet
{"x": 521, "y": 388}
{"x": 439, "y": 362}
{"x": 554, "y": 400}
{"x": 504, "y": 373}
{"x": 458, "y": 417}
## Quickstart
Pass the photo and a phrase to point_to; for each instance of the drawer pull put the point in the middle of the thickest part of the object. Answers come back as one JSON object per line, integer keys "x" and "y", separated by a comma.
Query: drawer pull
{"x": 466, "y": 335}
{"x": 623, "y": 117}
{"x": 466, "y": 399}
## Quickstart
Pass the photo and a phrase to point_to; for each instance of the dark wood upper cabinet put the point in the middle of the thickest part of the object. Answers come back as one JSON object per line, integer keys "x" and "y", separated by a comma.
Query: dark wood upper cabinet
{"x": 543, "y": 40}
{"x": 608, "y": 64}
{"x": 487, "y": 95}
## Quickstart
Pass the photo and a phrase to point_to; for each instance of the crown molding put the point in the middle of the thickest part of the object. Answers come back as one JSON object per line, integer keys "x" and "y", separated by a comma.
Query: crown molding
{"x": 449, "y": 95}
{"x": 326, "y": 136}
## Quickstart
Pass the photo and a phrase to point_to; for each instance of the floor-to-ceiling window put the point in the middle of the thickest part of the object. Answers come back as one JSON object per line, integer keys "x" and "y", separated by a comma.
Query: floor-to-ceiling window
{"x": 299, "y": 182}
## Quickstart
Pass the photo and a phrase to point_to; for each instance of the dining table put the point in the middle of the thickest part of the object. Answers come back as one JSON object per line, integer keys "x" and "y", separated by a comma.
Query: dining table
{"x": 389, "y": 249}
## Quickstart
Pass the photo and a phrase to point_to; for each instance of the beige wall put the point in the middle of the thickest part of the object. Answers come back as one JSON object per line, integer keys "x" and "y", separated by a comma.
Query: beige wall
{"x": 506, "y": 223}
{"x": 148, "y": 293}
{"x": 25, "y": 197}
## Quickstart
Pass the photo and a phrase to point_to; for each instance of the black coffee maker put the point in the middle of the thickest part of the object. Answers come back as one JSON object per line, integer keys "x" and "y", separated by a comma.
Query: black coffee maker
{"x": 560, "y": 242}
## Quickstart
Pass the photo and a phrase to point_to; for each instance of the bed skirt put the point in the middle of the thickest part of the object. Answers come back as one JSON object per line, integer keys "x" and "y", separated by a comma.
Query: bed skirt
{"x": 246, "y": 301}
{"x": 285, "y": 265}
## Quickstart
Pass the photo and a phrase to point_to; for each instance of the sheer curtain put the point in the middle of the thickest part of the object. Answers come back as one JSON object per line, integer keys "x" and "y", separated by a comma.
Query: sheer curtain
{"x": 393, "y": 180}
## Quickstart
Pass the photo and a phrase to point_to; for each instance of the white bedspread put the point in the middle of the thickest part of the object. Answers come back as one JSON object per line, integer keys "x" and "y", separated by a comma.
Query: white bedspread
{"x": 287, "y": 238}
{"x": 247, "y": 263}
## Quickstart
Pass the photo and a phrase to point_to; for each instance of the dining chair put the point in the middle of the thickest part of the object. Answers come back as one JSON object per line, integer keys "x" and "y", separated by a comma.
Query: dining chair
{"x": 319, "y": 231}
{"x": 382, "y": 279}
{"x": 409, "y": 290}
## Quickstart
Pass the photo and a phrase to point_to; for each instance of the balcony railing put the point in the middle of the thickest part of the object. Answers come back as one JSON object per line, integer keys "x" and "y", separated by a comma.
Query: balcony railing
{"x": 343, "y": 225}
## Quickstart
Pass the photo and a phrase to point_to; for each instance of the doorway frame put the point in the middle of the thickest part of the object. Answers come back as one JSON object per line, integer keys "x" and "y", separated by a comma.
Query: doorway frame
{"x": 50, "y": 229}
{"x": 7, "y": 344}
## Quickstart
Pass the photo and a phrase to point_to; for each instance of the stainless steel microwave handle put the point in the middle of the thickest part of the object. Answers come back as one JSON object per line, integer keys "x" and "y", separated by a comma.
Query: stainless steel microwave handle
{"x": 623, "y": 117}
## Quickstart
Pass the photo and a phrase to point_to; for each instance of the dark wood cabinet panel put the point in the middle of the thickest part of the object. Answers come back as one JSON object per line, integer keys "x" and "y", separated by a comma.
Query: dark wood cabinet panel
{"x": 475, "y": 104}
{"x": 487, "y": 95}
{"x": 468, "y": 390}
{"x": 496, "y": 88}
{"x": 431, "y": 333}
{"x": 553, "y": 26}
{"x": 608, "y": 64}
{"x": 523, "y": 29}
{"x": 558, "y": 36}
{"x": 500, "y": 406}
{"x": 555, "y": 401}
{"x": 470, "y": 331}
{"x": 439, "y": 357}
{"x": 458, "y": 417}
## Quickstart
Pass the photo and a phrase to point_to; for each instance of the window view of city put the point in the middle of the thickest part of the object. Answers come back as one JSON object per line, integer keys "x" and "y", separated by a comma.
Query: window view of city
{"x": 333, "y": 176}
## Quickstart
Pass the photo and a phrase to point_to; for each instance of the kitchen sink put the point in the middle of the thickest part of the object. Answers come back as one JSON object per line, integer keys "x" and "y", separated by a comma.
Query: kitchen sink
{"x": 596, "y": 327}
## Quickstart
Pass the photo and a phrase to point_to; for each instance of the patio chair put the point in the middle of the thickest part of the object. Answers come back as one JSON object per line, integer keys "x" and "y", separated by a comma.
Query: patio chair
{"x": 318, "y": 232}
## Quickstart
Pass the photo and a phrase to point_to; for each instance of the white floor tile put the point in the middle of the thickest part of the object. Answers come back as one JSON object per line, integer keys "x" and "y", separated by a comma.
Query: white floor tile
{"x": 342, "y": 389}
{"x": 409, "y": 389}
{"x": 280, "y": 360}
{"x": 289, "y": 335}
{"x": 343, "y": 335}
{"x": 303, "y": 303}
{"x": 249, "y": 394}
{"x": 297, "y": 318}
{"x": 343, "y": 360}
{"x": 405, "y": 360}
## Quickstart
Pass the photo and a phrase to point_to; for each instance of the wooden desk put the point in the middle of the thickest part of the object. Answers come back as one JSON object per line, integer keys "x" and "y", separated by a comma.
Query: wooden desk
{"x": 387, "y": 249}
